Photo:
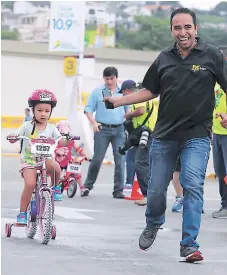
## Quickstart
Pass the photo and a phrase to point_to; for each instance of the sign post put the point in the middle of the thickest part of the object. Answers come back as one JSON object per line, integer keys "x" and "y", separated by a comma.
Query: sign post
{"x": 67, "y": 31}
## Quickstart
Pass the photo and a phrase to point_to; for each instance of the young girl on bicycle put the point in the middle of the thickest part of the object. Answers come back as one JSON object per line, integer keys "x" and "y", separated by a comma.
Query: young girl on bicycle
{"x": 42, "y": 103}
{"x": 64, "y": 153}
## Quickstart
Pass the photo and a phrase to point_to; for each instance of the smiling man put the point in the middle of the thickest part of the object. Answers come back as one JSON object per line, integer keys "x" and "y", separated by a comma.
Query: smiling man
{"x": 184, "y": 76}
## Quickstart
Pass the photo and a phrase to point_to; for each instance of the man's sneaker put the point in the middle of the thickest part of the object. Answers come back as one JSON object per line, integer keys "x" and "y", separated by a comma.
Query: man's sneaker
{"x": 84, "y": 192}
{"x": 118, "y": 195}
{"x": 141, "y": 202}
{"x": 190, "y": 254}
{"x": 220, "y": 214}
{"x": 128, "y": 186}
{"x": 147, "y": 237}
{"x": 177, "y": 206}
{"x": 57, "y": 193}
{"x": 22, "y": 218}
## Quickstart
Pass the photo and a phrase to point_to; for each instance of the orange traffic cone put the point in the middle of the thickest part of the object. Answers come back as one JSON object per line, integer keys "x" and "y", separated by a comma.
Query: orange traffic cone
{"x": 225, "y": 179}
{"x": 136, "y": 193}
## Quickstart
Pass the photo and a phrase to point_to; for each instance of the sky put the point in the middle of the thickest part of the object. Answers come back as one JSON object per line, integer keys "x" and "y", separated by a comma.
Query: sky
{"x": 204, "y": 5}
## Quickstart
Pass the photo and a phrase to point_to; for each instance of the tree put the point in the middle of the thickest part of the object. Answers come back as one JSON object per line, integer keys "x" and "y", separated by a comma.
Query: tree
{"x": 153, "y": 34}
{"x": 214, "y": 36}
{"x": 221, "y": 7}
{"x": 8, "y": 35}
{"x": 7, "y": 4}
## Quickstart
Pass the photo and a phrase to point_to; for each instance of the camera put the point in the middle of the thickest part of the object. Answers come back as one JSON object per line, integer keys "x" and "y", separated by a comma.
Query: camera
{"x": 128, "y": 126}
{"x": 144, "y": 138}
{"x": 138, "y": 137}
{"x": 127, "y": 145}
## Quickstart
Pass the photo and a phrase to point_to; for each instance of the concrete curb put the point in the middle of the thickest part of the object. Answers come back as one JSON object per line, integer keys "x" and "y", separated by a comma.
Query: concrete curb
{"x": 10, "y": 155}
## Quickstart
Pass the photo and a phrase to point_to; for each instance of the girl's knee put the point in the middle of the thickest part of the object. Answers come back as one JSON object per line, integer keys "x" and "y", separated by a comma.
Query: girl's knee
{"x": 51, "y": 165}
{"x": 57, "y": 167}
{"x": 30, "y": 178}
{"x": 53, "y": 168}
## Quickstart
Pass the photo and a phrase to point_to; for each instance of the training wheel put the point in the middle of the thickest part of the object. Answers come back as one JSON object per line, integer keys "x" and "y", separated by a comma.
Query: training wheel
{"x": 54, "y": 232}
{"x": 8, "y": 229}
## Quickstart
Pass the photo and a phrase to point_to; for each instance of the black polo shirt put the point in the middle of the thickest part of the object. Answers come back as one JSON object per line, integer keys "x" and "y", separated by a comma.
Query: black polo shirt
{"x": 186, "y": 89}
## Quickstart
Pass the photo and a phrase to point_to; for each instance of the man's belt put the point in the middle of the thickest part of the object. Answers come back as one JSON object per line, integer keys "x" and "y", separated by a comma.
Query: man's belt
{"x": 110, "y": 125}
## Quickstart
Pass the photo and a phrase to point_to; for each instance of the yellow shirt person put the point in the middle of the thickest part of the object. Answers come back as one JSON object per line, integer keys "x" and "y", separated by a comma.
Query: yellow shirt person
{"x": 137, "y": 121}
{"x": 220, "y": 107}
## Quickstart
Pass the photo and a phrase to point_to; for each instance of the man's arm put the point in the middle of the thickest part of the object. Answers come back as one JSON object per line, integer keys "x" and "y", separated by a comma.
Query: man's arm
{"x": 221, "y": 74}
{"x": 151, "y": 90}
{"x": 90, "y": 109}
{"x": 90, "y": 117}
{"x": 138, "y": 112}
{"x": 142, "y": 95}
{"x": 221, "y": 71}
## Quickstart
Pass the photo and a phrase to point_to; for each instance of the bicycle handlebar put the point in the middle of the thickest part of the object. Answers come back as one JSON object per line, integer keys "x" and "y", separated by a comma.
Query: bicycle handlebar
{"x": 30, "y": 139}
{"x": 55, "y": 140}
{"x": 83, "y": 159}
{"x": 71, "y": 137}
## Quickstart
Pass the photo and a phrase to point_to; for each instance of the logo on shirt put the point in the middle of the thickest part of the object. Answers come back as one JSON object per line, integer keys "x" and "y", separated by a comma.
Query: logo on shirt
{"x": 196, "y": 68}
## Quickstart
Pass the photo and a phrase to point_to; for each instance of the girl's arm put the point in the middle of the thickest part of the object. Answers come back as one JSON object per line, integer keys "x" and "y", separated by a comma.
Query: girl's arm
{"x": 80, "y": 151}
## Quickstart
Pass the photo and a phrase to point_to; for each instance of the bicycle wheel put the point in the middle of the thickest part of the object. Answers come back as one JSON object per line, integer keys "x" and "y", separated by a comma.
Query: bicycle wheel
{"x": 46, "y": 214}
{"x": 72, "y": 188}
{"x": 31, "y": 228}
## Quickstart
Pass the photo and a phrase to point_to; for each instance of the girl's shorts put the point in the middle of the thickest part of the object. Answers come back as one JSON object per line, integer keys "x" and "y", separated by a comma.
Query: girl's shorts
{"x": 24, "y": 166}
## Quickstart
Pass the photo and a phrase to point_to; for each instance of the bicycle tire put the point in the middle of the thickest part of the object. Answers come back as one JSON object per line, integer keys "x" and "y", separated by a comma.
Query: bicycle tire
{"x": 72, "y": 188}
{"x": 32, "y": 226}
{"x": 46, "y": 223}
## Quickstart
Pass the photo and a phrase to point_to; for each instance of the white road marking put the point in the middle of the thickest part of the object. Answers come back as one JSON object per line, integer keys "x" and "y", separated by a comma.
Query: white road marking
{"x": 70, "y": 213}
{"x": 73, "y": 213}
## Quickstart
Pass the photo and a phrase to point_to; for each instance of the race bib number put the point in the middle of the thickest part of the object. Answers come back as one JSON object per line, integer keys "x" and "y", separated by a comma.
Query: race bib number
{"x": 42, "y": 149}
{"x": 73, "y": 168}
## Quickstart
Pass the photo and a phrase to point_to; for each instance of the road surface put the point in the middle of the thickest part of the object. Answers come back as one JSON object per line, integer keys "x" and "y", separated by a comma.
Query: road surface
{"x": 99, "y": 235}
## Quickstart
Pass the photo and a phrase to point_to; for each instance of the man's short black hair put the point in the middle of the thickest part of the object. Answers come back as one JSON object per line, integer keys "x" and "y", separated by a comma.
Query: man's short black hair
{"x": 183, "y": 10}
{"x": 110, "y": 71}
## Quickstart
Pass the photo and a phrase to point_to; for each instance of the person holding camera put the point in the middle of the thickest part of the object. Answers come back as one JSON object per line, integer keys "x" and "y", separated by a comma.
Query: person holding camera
{"x": 108, "y": 128}
{"x": 139, "y": 125}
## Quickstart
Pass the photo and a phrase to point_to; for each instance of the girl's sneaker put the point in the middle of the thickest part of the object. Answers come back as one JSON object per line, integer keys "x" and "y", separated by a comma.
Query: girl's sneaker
{"x": 22, "y": 218}
{"x": 57, "y": 193}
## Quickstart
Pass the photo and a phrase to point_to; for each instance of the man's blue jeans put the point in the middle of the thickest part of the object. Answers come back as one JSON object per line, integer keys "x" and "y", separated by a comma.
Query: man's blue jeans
{"x": 220, "y": 165}
{"x": 102, "y": 139}
{"x": 194, "y": 155}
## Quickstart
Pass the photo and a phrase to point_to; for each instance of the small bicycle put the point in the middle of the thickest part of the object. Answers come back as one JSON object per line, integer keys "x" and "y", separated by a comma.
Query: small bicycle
{"x": 41, "y": 207}
{"x": 70, "y": 177}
